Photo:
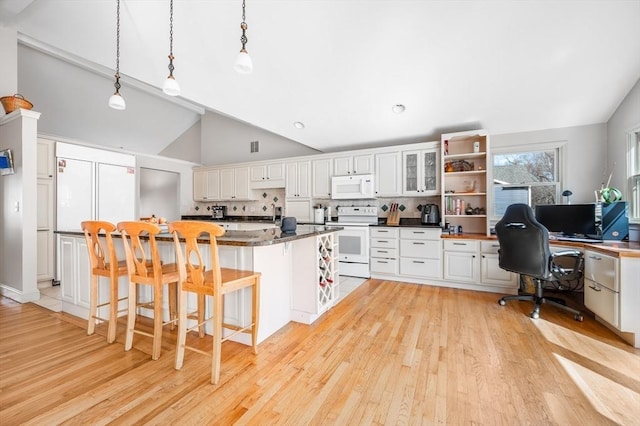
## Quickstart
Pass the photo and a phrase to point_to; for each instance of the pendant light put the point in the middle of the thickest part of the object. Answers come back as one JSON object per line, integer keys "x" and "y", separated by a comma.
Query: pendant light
{"x": 116, "y": 101}
{"x": 244, "y": 64}
{"x": 171, "y": 86}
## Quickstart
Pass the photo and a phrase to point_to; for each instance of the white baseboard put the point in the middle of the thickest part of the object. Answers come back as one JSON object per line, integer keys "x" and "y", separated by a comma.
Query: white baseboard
{"x": 18, "y": 295}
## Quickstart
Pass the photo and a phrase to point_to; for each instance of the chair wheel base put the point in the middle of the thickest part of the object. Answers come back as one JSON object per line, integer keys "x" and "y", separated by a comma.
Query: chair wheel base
{"x": 578, "y": 317}
{"x": 502, "y": 302}
{"x": 535, "y": 315}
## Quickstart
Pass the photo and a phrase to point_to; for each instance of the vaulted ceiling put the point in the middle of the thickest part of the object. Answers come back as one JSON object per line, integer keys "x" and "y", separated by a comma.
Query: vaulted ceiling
{"x": 337, "y": 66}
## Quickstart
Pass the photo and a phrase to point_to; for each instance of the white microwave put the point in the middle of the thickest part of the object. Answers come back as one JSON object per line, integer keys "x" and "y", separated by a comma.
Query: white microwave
{"x": 352, "y": 187}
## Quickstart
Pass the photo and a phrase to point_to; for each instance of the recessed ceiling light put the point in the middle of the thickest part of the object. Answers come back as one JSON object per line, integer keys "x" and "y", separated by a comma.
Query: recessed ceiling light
{"x": 398, "y": 109}
{"x": 298, "y": 125}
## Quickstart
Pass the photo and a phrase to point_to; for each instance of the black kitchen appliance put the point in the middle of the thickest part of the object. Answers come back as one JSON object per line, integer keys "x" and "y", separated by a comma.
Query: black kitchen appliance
{"x": 218, "y": 212}
{"x": 430, "y": 214}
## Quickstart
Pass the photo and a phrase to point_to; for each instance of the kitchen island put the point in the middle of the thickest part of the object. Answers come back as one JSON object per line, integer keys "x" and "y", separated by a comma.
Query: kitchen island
{"x": 299, "y": 274}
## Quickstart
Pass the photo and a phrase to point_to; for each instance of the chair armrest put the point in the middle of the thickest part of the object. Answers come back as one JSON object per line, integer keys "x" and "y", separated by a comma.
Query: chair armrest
{"x": 563, "y": 273}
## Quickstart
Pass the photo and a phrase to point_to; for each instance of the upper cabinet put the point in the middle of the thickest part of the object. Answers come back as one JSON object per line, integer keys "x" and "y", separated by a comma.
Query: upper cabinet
{"x": 353, "y": 165}
{"x": 46, "y": 160}
{"x": 234, "y": 184}
{"x": 269, "y": 175}
{"x": 466, "y": 190}
{"x": 298, "y": 179}
{"x": 388, "y": 174}
{"x": 322, "y": 170}
{"x": 206, "y": 185}
{"x": 421, "y": 172}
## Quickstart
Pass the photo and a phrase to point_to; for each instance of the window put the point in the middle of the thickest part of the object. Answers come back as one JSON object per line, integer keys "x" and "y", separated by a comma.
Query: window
{"x": 530, "y": 177}
{"x": 633, "y": 173}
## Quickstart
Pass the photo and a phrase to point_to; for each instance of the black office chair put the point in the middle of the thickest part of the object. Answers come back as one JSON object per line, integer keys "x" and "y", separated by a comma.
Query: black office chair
{"x": 524, "y": 249}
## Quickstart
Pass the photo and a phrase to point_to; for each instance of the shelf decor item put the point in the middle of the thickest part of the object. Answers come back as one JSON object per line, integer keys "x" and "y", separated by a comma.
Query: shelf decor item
{"x": 610, "y": 195}
{"x": 12, "y": 103}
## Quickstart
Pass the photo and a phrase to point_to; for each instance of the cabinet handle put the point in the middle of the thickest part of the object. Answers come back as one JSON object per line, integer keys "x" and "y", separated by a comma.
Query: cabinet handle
{"x": 594, "y": 288}
{"x": 417, "y": 232}
{"x": 459, "y": 244}
{"x": 381, "y": 231}
{"x": 383, "y": 251}
{"x": 418, "y": 261}
{"x": 382, "y": 261}
{"x": 495, "y": 245}
{"x": 383, "y": 241}
{"x": 595, "y": 257}
{"x": 418, "y": 244}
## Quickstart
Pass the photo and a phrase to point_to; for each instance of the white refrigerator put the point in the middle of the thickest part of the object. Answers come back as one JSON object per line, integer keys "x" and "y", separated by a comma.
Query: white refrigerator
{"x": 93, "y": 184}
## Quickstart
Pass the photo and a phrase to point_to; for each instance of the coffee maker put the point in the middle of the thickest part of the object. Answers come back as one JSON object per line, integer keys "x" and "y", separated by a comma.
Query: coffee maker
{"x": 218, "y": 212}
{"x": 430, "y": 214}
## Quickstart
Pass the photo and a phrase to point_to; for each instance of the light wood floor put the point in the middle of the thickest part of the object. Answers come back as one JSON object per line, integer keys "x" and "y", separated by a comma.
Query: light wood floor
{"x": 389, "y": 353}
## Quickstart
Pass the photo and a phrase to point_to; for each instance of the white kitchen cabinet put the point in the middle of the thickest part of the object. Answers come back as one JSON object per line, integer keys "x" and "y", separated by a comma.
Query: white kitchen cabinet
{"x": 298, "y": 179}
{"x": 45, "y": 255}
{"x": 234, "y": 184}
{"x": 384, "y": 251}
{"x": 206, "y": 185}
{"x": 322, "y": 171}
{"x": 388, "y": 174}
{"x": 353, "y": 165}
{"x": 461, "y": 260}
{"x": 46, "y": 158}
{"x": 421, "y": 252}
{"x": 421, "y": 172}
{"x": 268, "y": 175}
{"x": 74, "y": 272}
{"x": 490, "y": 271}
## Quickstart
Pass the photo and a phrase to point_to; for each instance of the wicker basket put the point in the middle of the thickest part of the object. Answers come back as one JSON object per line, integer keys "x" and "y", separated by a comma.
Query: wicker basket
{"x": 11, "y": 103}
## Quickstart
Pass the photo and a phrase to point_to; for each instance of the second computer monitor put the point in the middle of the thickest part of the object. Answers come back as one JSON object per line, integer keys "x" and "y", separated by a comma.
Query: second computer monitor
{"x": 568, "y": 219}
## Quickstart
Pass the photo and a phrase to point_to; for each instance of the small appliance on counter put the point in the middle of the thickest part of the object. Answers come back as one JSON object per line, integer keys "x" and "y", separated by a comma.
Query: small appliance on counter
{"x": 218, "y": 212}
{"x": 318, "y": 215}
{"x": 289, "y": 224}
{"x": 430, "y": 214}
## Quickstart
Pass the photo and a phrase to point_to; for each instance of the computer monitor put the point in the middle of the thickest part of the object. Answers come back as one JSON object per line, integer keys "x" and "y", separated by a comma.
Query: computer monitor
{"x": 568, "y": 219}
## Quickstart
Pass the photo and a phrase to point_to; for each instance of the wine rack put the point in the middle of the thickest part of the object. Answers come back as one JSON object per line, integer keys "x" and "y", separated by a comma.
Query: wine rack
{"x": 328, "y": 289}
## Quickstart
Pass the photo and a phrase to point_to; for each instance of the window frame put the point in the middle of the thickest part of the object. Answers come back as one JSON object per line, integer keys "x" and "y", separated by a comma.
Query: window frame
{"x": 560, "y": 148}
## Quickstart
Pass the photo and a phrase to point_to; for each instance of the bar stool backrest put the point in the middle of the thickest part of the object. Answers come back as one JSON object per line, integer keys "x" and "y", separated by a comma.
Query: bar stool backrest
{"x": 133, "y": 234}
{"x": 92, "y": 233}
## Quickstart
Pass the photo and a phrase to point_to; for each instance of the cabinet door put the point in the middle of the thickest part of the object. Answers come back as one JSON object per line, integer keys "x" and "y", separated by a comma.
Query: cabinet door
{"x": 363, "y": 164}
{"x": 388, "y": 174}
{"x": 199, "y": 186}
{"x": 461, "y": 266}
{"x": 227, "y": 184}
{"x": 342, "y": 166}
{"x": 45, "y": 204}
{"x": 212, "y": 185}
{"x": 45, "y": 158}
{"x": 304, "y": 179}
{"x": 491, "y": 273}
{"x": 275, "y": 171}
{"x": 45, "y": 255}
{"x": 602, "y": 301}
{"x": 430, "y": 172}
{"x": 291, "y": 180}
{"x": 66, "y": 268}
{"x": 258, "y": 173}
{"x": 241, "y": 179}
{"x": 410, "y": 170}
{"x": 322, "y": 172}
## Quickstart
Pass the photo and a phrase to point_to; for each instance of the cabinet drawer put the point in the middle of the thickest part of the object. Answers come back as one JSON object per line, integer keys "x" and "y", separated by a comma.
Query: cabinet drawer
{"x": 427, "y": 249}
{"x": 384, "y": 243}
{"x": 387, "y": 253}
{"x": 461, "y": 245}
{"x": 602, "y": 269}
{"x": 382, "y": 232}
{"x": 422, "y": 268}
{"x": 489, "y": 246}
{"x": 602, "y": 302}
{"x": 420, "y": 233}
{"x": 384, "y": 266}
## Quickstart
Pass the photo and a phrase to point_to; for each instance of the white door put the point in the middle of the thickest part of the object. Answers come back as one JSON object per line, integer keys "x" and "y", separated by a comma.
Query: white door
{"x": 116, "y": 193}
{"x": 75, "y": 197}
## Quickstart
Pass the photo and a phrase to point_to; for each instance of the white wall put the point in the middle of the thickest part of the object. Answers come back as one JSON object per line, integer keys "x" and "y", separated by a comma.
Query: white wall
{"x": 187, "y": 147}
{"x": 9, "y": 68}
{"x": 225, "y": 141}
{"x": 623, "y": 120}
{"x": 18, "y": 222}
{"x": 586, "y": 153}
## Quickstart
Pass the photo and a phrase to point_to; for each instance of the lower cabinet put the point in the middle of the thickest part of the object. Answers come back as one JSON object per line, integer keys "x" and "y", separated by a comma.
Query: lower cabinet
{"x": 74, "y": 273}
{"x": 490, "y": 271}
{"x": 421, "y": 252}
{"x": 601, "y": 286}
{"x": 384, "y": 251}
{"x": 461, "y": 260}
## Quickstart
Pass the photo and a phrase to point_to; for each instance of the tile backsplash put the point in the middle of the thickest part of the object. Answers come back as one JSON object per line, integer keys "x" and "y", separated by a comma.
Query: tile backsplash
{"x": 409, "y": 207}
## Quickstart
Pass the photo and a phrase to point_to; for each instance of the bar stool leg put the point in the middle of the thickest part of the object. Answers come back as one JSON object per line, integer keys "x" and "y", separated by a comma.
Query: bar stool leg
{"x": 201, "y": 312}
{"x": 182, "y": 330}
{"x": 131, "y": 316}
{"x": 113, "y": 310}
{"x": 217, "y": 338}
{"x": 255, "y": 314}
{"x": 173, "y": 309}
{"x": 93, "y": 305}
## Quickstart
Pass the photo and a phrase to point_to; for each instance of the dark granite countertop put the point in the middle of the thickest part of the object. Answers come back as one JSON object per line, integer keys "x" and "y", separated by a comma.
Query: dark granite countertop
{"x": 262, "y": 237}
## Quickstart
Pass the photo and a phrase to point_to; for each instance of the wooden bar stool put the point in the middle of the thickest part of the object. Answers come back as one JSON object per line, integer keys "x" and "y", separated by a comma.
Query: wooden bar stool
{"x": 150, "y": 272}
{"x": 214, "y": 282}
{"x": 104, "y": 263}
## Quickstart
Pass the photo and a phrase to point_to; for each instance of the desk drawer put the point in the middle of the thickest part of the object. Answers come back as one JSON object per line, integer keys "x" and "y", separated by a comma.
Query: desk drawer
{"x": 489, "y": 246}
{"x": 384, "y": 266}
{"x": 601, "y": 269}
{"x": 602, "y": 302}
{"x": 461, "y": 245}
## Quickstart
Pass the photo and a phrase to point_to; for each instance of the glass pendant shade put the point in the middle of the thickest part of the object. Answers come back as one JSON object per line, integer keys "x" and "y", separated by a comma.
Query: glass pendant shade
{"x": 171, "y": 86}
{"x": 244, "y": 64}
{"x": 117, "y": 102}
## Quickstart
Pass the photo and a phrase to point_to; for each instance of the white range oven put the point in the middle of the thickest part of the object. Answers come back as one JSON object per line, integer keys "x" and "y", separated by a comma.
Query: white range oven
{"x": 353, "y": 240}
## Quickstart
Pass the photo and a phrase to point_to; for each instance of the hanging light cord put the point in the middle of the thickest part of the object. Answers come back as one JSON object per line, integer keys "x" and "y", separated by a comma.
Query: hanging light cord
{"x": 117, "y": 76}
{"x": 171, "y": 57}
{"x": 243, "y": 25}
